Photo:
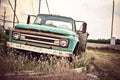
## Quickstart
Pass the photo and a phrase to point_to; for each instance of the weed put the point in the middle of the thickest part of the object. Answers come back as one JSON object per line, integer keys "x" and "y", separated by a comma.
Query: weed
{"x": 61, "y": 69}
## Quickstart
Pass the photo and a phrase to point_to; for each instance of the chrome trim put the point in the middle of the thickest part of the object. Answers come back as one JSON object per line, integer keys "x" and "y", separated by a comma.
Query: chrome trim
{"x": 39, "y": 50}
{"x": 39, "y": 41}
{"x": 40, "y": 33}
{"x": 23, "y": 37}
{"x": 39, "y": 37}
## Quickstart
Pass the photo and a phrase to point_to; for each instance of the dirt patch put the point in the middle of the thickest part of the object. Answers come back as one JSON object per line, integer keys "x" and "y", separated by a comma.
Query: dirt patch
{"x": 107, "y": 64}
{"x": 97, "y": 65}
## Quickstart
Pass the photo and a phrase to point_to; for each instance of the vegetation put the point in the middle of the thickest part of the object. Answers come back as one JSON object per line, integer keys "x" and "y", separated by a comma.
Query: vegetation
{"x": 103, "y": 64}
{"x": 106, "y": 64}
{"x": 103, "y": 41}
{"x": 118, "y": 41}
{"x": 58, "y": 68}
{"x": 3, "y": 40}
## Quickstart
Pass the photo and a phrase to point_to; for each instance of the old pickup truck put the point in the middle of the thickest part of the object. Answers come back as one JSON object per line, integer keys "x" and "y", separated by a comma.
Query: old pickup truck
{"x": 49, "y": 34}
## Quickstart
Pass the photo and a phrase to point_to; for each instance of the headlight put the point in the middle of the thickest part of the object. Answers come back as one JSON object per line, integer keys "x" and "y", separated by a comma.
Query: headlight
{"x": 16, "y": 35}
{"x": 64, "y": 42}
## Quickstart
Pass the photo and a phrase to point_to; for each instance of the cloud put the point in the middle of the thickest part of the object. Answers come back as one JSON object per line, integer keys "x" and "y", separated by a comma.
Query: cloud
{"x": 116, "y": 26}
{"x": 117, "y": 8}
{"x": 97, "y": 13}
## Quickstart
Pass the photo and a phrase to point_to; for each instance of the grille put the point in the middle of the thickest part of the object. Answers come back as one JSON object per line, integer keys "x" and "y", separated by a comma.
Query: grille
{"x": 40, "y": 37}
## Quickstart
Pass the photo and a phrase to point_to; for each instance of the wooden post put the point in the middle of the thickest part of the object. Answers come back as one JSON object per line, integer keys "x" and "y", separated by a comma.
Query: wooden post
{"x": 39, "y": 6}
{"x": 112, "y": 22}
{"x": 14, "y": 13}
{"x": 4, "y": 17}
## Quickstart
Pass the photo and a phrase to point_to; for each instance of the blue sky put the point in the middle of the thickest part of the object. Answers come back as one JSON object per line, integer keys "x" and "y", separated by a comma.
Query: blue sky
{"x": 97, "y": 13}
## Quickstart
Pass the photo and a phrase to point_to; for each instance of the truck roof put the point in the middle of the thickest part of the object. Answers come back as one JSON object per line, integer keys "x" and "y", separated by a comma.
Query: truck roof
{"x": 56, "y": 17}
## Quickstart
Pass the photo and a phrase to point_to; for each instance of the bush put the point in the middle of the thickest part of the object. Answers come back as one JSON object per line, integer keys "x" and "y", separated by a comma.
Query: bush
{"x": 3, "y": 36}
{"x": 3, "y": 40}
{"x": 102, "y": 41}
{"x": 118, "y": 41}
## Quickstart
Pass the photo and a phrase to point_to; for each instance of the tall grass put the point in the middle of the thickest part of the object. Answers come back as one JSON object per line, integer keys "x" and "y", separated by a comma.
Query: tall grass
{"x": 59, "y": 68}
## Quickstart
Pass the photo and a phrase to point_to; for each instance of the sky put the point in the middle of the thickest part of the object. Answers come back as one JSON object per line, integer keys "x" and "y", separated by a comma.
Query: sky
{"x": 96, "y": 13}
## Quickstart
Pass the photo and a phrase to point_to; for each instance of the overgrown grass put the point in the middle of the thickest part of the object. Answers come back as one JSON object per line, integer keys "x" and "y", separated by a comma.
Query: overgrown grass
{"x": 21, "y": 62}
{"x": 106, "y": 64}
{"x": 59, "y": 68}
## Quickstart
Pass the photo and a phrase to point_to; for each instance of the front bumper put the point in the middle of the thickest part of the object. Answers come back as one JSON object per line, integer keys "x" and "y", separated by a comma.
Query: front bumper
{"x": 39, "y": 50}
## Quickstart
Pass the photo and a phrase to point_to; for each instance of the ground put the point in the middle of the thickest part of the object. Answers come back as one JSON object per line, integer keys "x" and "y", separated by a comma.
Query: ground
{"x": 106, "y": 64}
{"x": 101, "y": 63}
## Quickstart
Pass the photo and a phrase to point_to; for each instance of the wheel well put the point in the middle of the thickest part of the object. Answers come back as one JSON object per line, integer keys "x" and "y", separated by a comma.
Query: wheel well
{"x": 75, "y": 52}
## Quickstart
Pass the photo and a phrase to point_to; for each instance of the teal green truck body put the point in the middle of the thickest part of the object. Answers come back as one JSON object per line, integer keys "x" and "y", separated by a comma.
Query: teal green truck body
{"x": 49, "y": 34}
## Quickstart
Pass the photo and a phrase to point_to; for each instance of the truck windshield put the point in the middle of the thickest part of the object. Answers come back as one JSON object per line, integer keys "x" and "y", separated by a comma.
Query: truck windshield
{"x": 59, "y": 24}
{"x": 54, "y": 22}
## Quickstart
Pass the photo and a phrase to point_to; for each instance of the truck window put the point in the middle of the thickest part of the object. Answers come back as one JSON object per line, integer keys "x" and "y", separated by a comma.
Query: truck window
{"x": 37, "y": 20}
{"x": 79, "y": 25}
{"x": 59, "y": 24}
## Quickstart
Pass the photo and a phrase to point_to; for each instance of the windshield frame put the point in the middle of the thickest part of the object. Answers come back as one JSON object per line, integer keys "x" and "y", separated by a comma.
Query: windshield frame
{"x": 45, "y": 17}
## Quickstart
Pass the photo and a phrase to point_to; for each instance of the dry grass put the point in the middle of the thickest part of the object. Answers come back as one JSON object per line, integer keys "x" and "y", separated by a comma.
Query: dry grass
{"x": 55, "y": 69}
{"x": 103, "y": 64}
{"x": 107, "y": 64}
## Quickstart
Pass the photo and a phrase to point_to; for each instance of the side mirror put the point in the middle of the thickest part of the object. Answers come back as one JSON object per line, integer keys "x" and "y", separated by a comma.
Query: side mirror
{"x": 28, "y": 19}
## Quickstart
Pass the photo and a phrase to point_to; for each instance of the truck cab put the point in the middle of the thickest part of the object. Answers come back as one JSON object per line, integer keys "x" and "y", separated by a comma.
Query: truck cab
{"x": 49, "y": 34}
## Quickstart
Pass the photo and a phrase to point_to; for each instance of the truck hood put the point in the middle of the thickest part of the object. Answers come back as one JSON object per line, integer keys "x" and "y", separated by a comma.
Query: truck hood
{"x": 45, "y": 28}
